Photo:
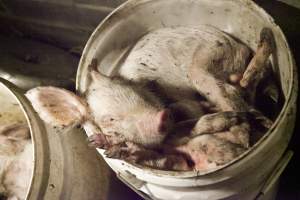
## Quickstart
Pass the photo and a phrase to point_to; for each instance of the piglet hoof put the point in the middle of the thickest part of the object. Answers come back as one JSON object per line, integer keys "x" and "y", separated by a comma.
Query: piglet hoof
{"x": 118, "y": 151}
{"x": 261, "y": 119}
{"x": 177, "y": 163}
{"x": 98, "y": 141}
{"x": 267, "y": 37}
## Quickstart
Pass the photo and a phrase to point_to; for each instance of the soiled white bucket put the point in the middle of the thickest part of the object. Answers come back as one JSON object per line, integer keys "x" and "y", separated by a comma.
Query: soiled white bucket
{"x": 64, "y": 167}
{"x": 255, "y": 173}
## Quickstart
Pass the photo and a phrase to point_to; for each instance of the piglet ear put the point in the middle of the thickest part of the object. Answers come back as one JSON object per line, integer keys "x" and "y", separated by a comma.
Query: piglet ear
{"x": 58, "y": 107}
{"x": 164, "y": 120}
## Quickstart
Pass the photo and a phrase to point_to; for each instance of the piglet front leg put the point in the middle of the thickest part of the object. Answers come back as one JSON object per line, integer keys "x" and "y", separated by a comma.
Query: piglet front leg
{"x": 217, "y": 122}
{"x": 102, "y": 141}
{"x": 138, "y": 154}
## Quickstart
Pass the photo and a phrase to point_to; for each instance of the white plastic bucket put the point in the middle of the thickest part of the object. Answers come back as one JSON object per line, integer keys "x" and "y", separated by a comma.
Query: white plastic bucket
{"x": 247, "y": 176}
{"x": 64, "y": 166}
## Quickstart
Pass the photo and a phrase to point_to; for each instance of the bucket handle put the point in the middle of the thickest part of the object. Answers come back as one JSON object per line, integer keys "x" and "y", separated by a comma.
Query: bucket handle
{"x": 276, "y": 173}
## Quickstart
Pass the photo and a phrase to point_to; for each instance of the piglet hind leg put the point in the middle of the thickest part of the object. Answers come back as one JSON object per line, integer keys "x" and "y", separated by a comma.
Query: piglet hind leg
{"x": 58, "y": 107}
{"x": 225, "y": 96}
{"x": 259, "y": 67}
{"x": 208, "y": 74}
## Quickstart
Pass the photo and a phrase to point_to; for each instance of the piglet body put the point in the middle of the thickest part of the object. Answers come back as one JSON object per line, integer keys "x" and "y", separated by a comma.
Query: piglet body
{"x": 188, "y": 60}
{"x": 16, "y": 161}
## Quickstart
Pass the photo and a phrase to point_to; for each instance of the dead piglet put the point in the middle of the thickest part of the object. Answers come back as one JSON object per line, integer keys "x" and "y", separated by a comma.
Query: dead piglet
{"x": 203, "y": 60}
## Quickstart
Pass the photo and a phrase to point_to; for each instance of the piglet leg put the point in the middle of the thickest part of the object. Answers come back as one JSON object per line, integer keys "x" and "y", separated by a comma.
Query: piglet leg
{"x": 217, "y": 122}
{"x": 58, "y": 107}
{"x": 208, "y": 74}
{"x": 238, "y": 134}
{"x": 259, "y": 67}
{"x": 260, "y": 118}
{"x": 102, "y": 141}
{"x": 225, "y": 96}
{"x": 222, "y": 121}
{"x": 137, "y": 154}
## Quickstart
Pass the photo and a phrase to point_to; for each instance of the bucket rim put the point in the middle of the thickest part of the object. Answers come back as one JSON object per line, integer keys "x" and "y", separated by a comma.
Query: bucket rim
{"x": 40, "y": 171}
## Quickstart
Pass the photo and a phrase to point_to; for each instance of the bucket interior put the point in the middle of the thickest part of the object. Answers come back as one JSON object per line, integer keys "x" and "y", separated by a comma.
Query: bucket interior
{"x": 243, "y": 19}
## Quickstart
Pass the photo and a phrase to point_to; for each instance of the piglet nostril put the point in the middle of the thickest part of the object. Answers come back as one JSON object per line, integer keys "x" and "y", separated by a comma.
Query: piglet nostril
{"x": 164, "y": 120}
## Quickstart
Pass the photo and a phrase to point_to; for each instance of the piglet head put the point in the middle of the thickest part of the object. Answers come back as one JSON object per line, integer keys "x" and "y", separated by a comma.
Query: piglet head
{"x": 154, "y": 126}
